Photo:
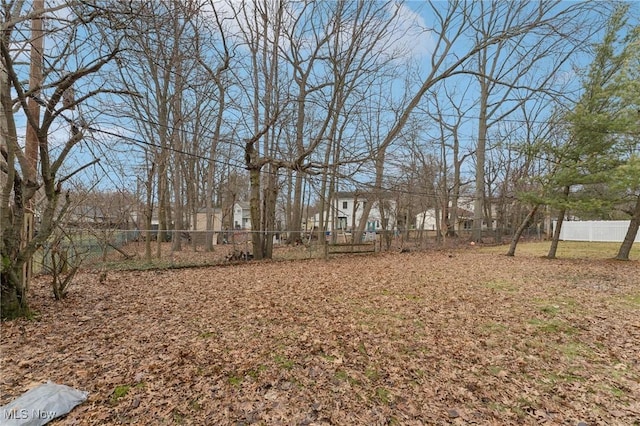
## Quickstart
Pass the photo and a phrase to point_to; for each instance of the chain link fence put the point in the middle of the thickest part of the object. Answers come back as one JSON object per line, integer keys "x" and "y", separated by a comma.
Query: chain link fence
{"x": 98, "y": 248}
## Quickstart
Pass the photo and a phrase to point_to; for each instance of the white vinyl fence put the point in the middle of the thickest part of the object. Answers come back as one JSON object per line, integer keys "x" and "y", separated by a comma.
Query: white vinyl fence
{"x": 595, "y": 230}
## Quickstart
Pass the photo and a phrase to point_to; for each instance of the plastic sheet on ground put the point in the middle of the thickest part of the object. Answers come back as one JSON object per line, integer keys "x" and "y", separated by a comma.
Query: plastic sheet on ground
{"x": 40, "y": 405}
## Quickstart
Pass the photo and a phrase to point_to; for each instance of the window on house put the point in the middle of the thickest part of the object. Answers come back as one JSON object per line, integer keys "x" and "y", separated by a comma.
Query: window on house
{"x": 342, "y": 223}
{"x": 345, "y": 204}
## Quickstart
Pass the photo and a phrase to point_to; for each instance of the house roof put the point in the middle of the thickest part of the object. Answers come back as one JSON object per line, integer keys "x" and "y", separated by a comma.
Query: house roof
{"x": 462, "y": 213}
{"x": 244, "y": 205}
{"x": 215, "y": 210}
{"x": 362, "y": 195}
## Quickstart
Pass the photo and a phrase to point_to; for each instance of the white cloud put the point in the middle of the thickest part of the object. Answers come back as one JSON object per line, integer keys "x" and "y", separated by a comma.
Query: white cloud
{"x": 407, "y": 37}
{"x": 410, "y": 34}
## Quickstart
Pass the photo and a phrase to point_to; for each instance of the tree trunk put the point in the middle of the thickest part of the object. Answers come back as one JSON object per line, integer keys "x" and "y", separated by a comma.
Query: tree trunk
{"x": 254, "y": 205}
{"x": 437, "y": 213}
{"x": 556, "y": 231}
{"x": 321, "y": 228}
{"x": 16, "y": 258}
{"x": 296, "y": 207}
{"x": 520, "y": 230}
{"x": 211, "y": 166}
{"x": 379, "y": 166}
{"x": 632, "y": 231}
{"x": 446, "y": 217}
{"x": 162, "y": 205}
{"x": 455, "y": 192}
{"x": 13, "y": 300}
{"x": 269, "y": 212}
{"x": 176, "y": 241}
{"x": 366, "y": 209}
{"x": 500, "y": 225}
{"x": 556, "y": 235}
{"x": 148, "y": 212}
{"x": 208, "y": 244}
{"x": 478, "y": 202}
{"x": 325, "y": 207}
{"x": 296, "y": 214}
{"x": 384, "y": 221}
{"x": 353, "y": 218}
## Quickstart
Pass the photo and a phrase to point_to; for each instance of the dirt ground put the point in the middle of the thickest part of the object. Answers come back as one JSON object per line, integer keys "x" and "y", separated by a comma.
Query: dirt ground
{"x": 446, "y": 337}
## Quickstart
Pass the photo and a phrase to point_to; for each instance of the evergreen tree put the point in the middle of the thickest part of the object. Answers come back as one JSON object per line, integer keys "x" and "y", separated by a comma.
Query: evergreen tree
{"x": 598, "y": 127}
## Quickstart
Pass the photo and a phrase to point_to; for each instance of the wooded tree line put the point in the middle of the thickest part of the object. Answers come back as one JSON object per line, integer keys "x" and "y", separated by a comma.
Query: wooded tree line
{"x": 490, "y": 104}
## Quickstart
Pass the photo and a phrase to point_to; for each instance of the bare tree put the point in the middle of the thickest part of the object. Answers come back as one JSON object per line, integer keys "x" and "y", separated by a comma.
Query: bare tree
{"x": 539, "y": 129}
{"x": 539, "y": 43}
{"x": 452, "y": 23}
{"x": 68, "y": 62}
{"x": 450, "y": 112}
{"x": 163, "y": 61}
{"x": 344, "y": 35}
{"x": 216, "y": 67}
{"x": 261, "y": 24}
{"x": 307, "y": 39}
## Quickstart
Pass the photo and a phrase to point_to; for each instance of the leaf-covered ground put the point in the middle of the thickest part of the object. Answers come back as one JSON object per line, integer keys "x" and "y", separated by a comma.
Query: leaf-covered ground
{"x": 449, "y": 337}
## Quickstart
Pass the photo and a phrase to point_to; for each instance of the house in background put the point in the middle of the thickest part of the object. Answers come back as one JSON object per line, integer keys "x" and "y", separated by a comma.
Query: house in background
{"x": 201, "y": 220}
{"x": 427, "y": 220}
{"x": 113, "y": 210}
{"x": 199, "y": 227}
{"x": 346, "y": 210}
{"x": 241, "y": 215}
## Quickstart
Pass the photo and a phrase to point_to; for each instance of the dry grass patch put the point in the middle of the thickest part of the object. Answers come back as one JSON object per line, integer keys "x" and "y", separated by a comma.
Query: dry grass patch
{"x": 567, "y": 249}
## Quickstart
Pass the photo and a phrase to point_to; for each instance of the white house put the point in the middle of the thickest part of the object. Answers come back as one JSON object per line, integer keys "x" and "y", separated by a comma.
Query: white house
{"x": 427, "y": 220}
{"x": 347, "y": 208}
{"x": 241, "y": 215}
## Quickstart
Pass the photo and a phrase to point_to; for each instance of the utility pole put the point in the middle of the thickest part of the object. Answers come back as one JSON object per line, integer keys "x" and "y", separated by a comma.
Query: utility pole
{"x": 33, "y": 110}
